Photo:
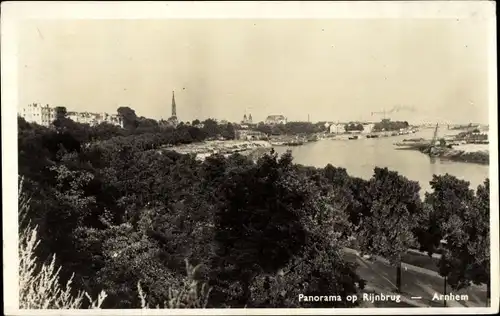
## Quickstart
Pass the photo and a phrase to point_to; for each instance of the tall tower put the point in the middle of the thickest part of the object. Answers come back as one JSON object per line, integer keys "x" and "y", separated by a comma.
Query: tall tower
{"x": 174, "y": 107}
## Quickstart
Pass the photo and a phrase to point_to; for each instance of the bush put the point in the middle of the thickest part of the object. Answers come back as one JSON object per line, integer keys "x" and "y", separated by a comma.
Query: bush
{"x": 39, "y": 284}
{"x": 189, "y": 294}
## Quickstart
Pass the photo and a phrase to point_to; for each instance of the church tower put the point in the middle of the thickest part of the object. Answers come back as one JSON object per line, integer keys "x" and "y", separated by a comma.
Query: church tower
{"x": 174, "y": 107}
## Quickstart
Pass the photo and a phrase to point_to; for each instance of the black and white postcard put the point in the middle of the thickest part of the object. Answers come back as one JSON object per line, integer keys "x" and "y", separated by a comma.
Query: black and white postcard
{"x": 249, "y": 158}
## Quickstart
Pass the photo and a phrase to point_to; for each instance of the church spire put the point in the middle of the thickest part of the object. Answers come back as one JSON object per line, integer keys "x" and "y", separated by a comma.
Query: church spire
{"x": 174, "y": 107}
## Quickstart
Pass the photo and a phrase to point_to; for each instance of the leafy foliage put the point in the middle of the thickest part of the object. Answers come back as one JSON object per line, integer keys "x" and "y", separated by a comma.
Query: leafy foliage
{"x": 40, "y": 284}
{"x": 291, "y": 128}
{"x": 458, "y": 227}
{"x": 353, "y": 127}
{"x": 388, "y": 125}
{"x": 124, "y": 214}
{"x": 395, "y": 207}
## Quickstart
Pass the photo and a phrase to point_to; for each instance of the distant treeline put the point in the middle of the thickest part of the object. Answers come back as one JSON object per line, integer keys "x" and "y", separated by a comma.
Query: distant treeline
{"x": 353, "y": 127}
{"x": 291, "y": 128}
{"x": 388, "y": 125}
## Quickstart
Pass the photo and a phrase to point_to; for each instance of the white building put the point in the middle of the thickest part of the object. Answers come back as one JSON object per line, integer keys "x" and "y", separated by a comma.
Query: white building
{"x": 45, "y": 116}
{"x": 83, "y": 117}
{"x": 109, "y": 118}
{"x": 247, "y": 120}
{"x": 95, "y": 118}
{"x": 275, "y": 119}
{"x": 337, "y": 128}
{"x": 39, "y": 114}
{"x": 368, "y": 128}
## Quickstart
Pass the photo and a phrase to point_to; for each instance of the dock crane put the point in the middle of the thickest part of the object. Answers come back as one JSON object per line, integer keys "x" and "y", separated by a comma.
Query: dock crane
{"x": 434, "y": 136}
{"x": 432, "y": 146}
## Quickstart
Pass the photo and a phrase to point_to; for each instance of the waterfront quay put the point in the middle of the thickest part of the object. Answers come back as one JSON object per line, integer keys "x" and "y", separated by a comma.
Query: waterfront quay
{"x": 227, "y": 147}
{"x": 373, "y": 134}
{"x": 468, "y": 146}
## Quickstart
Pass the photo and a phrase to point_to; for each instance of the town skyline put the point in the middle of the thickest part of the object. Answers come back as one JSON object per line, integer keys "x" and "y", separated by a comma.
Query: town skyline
{"x": 225, "y": 69}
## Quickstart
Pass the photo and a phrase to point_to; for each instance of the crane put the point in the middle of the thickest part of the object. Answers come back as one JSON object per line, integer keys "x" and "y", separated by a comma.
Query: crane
{"x": 432, "y": 146}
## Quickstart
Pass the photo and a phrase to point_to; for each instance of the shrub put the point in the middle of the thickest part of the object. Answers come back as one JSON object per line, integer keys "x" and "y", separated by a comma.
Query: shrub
{"x": 39, "y": 284}
{"x": 189, "y": 294}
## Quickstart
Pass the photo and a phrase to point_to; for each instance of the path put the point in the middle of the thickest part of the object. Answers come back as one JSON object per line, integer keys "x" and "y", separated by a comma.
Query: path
{"x": 416, "y": 282}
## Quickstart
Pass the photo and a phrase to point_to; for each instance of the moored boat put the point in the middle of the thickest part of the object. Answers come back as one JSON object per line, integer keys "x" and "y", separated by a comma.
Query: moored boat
{"x": 294, "y": 143}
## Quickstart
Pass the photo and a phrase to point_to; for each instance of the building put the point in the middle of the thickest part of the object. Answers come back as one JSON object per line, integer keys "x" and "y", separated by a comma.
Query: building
{"x": 172, "y": 120}
{"x": 275, "y": 119}
{"x": 95, "y": 118}
{"x": 249, "y": 135}
{"x": 39, "y": 114}
{"x": 45, "y": 116}
{"x": 368, "y": 128}
{"x": 48, "y": 115}
{"x": 83, "y": 117}
{"x": 247, "y": 120}
{"x": 113, "y": 119}
{"x": 337, "y": 128}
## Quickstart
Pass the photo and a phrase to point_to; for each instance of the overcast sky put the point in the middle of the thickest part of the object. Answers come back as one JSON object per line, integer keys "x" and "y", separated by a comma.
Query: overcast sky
{"x": 337, "y": 69}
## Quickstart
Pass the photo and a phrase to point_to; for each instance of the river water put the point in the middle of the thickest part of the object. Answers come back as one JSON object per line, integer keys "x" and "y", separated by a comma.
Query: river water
{"x": 360, "y": 157}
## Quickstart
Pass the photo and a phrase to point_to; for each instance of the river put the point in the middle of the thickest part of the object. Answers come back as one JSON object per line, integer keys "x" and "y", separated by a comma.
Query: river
{"x": 360, "y": 157}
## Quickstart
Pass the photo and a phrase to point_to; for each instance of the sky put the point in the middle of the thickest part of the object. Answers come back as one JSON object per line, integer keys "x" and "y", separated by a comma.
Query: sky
{"x": 329, "y": 70}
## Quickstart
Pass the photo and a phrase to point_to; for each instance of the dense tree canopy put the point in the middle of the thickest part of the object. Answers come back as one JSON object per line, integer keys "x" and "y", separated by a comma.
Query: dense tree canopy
{"x": 351, "y": 127}
{"x": 388, "y": 125}
{"x": 118, "y": 208}
{"x": 458, "y": 227}
{"x": 291, "y": 128}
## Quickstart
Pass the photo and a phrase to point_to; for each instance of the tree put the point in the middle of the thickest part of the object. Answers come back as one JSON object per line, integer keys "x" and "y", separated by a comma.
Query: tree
{"x": 264, "y": 128}
{"x": 395, "y": 209}
{"x": 60, "y": 112}
{"x": 479, "y": 230}
{"x": 450, "y": 198}
{"x": 258, "y": 230}
{"x": 466, "y": 252}
{"x": 104, "y": 131}
{"x": 276, "y": 236}
{"x": 129, "y": 117}
{"x": 228, "y": 131}
{"x": 62, "y": 122}
{"x": 353, "y": 127}
{"x": 211, "y": 128}
{"x": 453, "y": 227}
{"x": 389, "y": 125}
